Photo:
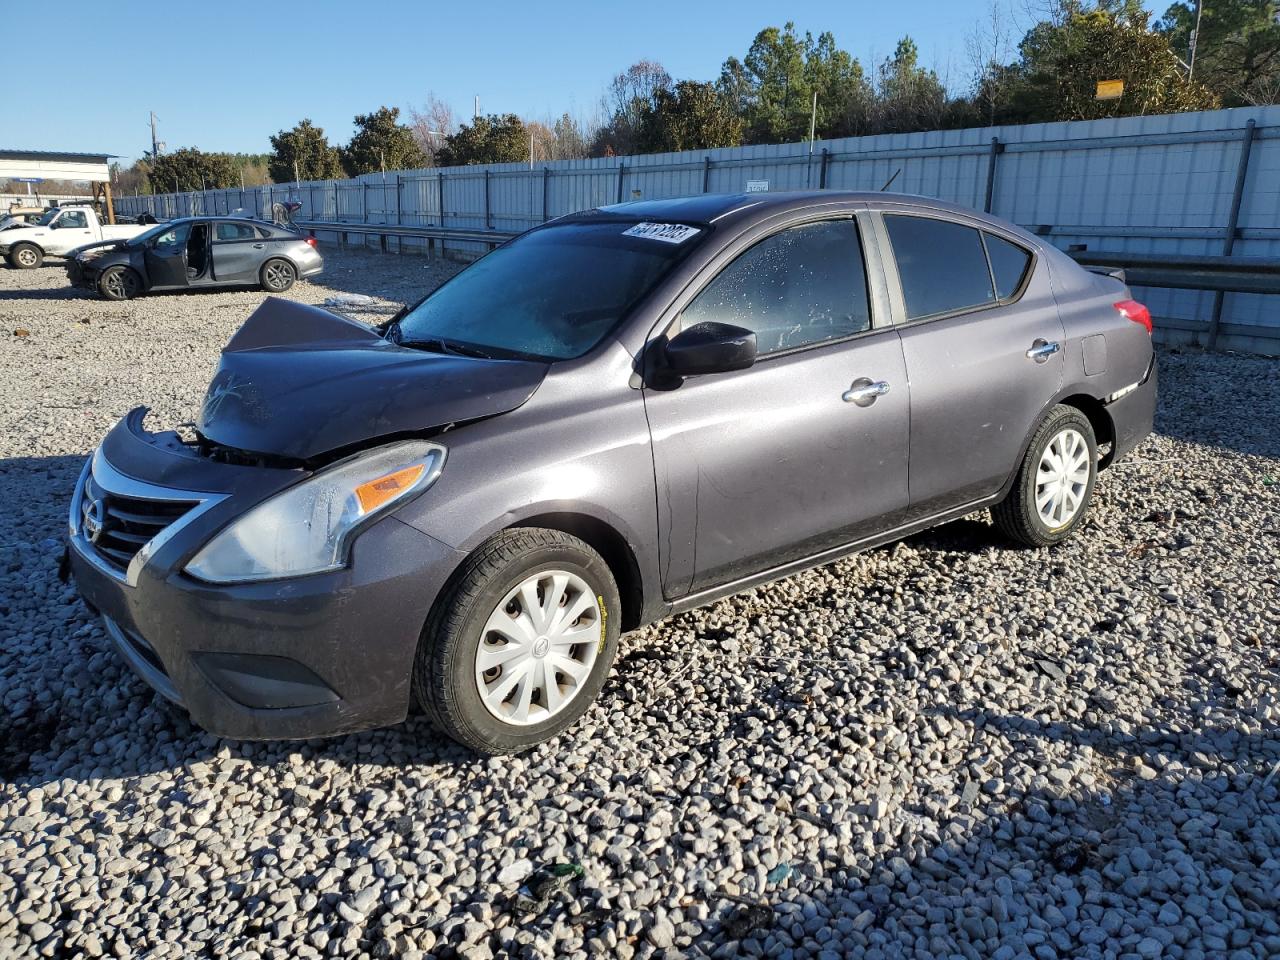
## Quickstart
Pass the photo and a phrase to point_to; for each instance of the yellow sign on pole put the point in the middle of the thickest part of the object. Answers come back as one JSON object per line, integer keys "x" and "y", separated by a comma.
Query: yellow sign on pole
{"x": 1109, "y": 90}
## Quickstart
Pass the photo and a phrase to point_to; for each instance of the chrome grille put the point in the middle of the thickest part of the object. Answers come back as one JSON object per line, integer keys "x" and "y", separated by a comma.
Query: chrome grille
{"x": 116, "y": 526}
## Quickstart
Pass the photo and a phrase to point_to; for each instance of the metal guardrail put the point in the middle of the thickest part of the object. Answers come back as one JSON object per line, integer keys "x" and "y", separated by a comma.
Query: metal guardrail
{"x": 1226, "y": 274}
{"x": 384, "y": 230}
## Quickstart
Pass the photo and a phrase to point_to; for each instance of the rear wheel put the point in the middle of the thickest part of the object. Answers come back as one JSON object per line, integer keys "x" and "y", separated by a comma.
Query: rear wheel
{"x": 25, "y": 256}
{"x": 1054, "y": 487}
{"x": 277, "y": 276}
{"x": 520, "y": 643}
{"x": 119, "y": 283}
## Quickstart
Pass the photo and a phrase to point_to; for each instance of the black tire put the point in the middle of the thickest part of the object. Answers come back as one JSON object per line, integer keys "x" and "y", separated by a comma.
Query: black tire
{"x": 444, "y": 677}
{"x": 119, "y": 283}
{"x": 25, "y": 256}
{"x": 277, "y": 275}
{"x": 1018, "y": 516}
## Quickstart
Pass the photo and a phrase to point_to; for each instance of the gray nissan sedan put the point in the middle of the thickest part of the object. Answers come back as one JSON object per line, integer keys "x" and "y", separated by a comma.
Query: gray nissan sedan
{"x": 621, "y": 414}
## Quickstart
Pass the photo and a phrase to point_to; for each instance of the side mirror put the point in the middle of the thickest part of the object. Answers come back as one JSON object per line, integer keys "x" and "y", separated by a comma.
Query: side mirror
{"x": 710, "y": 347}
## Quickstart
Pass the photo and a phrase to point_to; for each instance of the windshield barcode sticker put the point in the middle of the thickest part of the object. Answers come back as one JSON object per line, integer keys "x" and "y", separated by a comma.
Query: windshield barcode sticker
{"x": 666, "y": 232}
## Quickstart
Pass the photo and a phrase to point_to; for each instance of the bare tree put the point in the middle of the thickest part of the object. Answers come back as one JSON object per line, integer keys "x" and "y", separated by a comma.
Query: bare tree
{"x": 432, "y": 124}
{"x": 624, "y": 102}
{"x": 989, "y": 49}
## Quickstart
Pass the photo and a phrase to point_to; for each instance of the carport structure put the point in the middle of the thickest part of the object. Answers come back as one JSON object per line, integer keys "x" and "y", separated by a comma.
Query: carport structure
{"x": 52, "y": 165}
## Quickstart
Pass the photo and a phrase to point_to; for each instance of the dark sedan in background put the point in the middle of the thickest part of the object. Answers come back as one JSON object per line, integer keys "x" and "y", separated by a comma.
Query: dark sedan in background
{"x": 193, "y": 253}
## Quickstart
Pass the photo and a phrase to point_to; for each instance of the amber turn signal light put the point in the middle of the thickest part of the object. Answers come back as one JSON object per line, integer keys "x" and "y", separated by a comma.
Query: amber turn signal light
{"x": 375, "y": 493}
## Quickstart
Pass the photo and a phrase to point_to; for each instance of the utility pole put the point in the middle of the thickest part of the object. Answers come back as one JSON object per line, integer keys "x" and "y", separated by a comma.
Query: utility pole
{"x": 813, "y": 121}
{"x": 1195, "y": 37}
{"x": 476, "y": 114}
{"x": 296, "y": 178}
{"x": 155, "y": 144}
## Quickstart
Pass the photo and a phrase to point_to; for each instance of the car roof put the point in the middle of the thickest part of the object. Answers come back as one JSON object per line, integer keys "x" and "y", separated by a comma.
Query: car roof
{"x": 743, "y": 209}
{"x": 221, "y": 216}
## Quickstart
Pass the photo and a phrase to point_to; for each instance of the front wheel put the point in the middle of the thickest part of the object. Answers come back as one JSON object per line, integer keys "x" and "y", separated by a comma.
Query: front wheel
{"x": 119, "y": 283}
{"x": 278, "y": 276}
{"x": 1054, "y": 486}
{"x": 25, "y": 256}
{"x": 520, "y": 642}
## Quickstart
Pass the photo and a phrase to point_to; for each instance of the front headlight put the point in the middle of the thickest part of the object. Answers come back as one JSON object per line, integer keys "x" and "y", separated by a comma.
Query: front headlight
{"x": 306, "y": 528}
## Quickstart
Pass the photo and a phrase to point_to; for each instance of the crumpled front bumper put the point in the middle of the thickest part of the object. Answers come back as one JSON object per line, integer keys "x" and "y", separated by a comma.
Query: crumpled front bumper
{"x": 296, "y": 658}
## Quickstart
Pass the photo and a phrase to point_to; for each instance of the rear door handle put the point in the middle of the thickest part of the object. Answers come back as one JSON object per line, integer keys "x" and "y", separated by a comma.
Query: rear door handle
{"x": 1042, "y": 350}
{"x": 864, "y": 391}
{"x": 258, "y": 246}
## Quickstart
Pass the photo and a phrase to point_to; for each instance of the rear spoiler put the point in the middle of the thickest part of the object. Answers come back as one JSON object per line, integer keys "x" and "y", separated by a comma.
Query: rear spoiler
{"x": 1116, "y": 273}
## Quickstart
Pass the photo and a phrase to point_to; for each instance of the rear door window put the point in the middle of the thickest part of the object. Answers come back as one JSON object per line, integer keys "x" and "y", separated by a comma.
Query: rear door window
{"x": 1009, "y": 264}
{"x": 942, "y": 265}
{"x": 233, "y": 231}
{"x": 801, "y": 286}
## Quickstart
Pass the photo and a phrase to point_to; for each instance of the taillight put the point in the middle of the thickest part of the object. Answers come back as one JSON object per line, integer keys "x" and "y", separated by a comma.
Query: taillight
{"x": 1135, "y": 311}
{"x": 311, "y": 241}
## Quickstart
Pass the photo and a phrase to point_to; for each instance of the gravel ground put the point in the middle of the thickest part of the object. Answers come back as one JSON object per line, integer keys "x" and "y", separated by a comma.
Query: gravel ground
{"x": 945, "y": 748}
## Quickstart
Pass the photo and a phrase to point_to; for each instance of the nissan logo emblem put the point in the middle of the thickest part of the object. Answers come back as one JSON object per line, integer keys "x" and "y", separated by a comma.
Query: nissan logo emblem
{"x": 93, "y": 519}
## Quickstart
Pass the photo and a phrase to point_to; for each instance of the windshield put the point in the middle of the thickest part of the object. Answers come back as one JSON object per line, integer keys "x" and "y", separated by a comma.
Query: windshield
{"x": 146, "y": 235}
{"x": 46, "y": 218}
{"x": 552, "y": 294}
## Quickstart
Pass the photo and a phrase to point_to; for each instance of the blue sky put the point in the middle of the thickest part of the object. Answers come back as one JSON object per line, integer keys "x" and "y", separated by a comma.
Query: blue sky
{"x": 225, "y": 74}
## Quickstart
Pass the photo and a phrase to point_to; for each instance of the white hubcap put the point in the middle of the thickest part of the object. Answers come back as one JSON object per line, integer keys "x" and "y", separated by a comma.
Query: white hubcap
{"x": 538, "y": 647}
{"x": 1061, "y": 478}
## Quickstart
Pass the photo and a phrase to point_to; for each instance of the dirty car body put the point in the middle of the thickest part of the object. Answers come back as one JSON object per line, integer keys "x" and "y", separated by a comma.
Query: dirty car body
{"x": 692, "y": 445}
{"x": 193, "y": 253}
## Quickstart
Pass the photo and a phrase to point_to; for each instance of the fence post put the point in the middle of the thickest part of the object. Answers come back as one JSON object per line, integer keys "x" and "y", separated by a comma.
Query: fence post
{"x": 1233, "y": 223}
{"x": 822, "y": 169}
{"x": 440, "y": 183}
{"x": 621, "y": 168}
{"x": 487, "y": 225}
{"x": 546, "y": 174}
{"x": 336, "y": 215}
{"x": 706, "y": 173}
{"x": 996, "y": 149}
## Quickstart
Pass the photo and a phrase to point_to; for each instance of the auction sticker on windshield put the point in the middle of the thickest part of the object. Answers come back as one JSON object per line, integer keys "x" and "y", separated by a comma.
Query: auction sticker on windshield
{"x": 666, "y": 232}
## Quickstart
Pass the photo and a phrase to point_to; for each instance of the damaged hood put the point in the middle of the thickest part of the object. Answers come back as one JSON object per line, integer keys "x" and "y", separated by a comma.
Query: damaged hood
{"x": 298, "y": 382}
{"x": 96, "y": 248}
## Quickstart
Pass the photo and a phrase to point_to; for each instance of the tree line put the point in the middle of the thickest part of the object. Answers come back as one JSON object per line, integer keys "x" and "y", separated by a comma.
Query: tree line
{"x": 789, "y": 84}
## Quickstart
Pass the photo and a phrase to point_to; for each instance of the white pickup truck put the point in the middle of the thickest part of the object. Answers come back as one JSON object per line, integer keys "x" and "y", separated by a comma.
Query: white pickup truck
{"x": 57, "y": 233}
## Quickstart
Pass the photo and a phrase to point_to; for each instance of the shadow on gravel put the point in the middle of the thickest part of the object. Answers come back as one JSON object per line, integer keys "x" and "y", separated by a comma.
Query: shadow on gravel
{"x": 966, "y": 535}
{"x": 45, "y": 293}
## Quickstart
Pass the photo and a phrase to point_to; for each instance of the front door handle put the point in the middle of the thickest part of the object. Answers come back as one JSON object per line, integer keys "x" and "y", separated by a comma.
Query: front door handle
{"x": 864, "y": 391}
{"x": 1043, "y": 349}
{"x": 258, "y": 246}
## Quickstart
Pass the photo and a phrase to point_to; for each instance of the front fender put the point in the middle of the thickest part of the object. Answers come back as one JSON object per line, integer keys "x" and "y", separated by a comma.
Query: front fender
{"x": 10, "y": 239}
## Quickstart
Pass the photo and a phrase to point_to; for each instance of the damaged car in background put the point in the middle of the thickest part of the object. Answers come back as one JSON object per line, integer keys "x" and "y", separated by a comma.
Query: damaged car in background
{"x": 194, "y": 253}
{"x": 622, "y": 414}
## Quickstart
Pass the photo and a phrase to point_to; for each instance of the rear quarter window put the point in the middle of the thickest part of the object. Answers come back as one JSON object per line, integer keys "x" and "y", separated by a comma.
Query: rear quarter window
{"x": 1009, "y": 263}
